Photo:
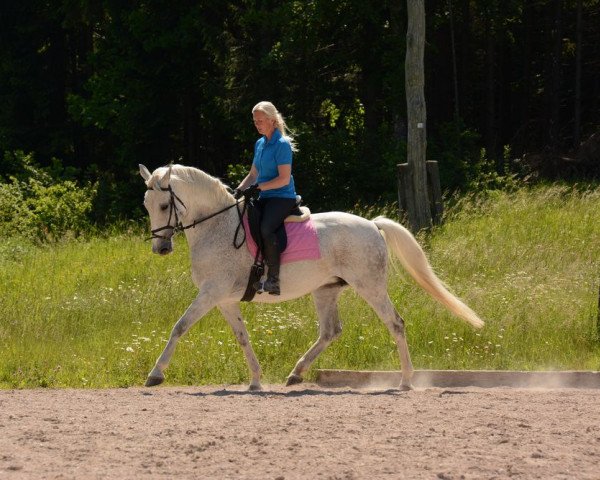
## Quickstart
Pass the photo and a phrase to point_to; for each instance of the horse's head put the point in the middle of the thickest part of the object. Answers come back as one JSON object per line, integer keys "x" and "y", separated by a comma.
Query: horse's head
{"x": 164, "y": 208}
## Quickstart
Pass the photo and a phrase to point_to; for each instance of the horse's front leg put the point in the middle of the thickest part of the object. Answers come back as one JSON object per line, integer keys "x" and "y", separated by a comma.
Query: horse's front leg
{"x": 199, "y": 307}
{"x": 233, "y": 315}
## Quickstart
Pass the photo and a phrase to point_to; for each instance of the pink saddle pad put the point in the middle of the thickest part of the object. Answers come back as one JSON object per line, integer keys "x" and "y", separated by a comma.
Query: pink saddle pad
{"x": 302, "y": 241}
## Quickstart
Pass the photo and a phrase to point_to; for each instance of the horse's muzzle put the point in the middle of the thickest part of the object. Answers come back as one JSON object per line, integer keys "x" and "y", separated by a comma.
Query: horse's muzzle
{"x": 162, "y": 247}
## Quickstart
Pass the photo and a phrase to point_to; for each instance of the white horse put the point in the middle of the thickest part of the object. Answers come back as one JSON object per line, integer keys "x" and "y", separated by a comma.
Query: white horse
{"x": 354, "y": 252}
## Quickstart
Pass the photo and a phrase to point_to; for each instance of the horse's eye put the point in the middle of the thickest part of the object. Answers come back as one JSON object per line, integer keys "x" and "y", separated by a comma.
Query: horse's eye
{"x": 164, "y": 206}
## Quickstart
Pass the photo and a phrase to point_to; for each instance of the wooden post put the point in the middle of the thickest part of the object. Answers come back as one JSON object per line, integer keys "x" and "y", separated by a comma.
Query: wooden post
{"x": 406, "y": 197}
{"x": 406, "y": 192}
{"x": 434, "y": 188}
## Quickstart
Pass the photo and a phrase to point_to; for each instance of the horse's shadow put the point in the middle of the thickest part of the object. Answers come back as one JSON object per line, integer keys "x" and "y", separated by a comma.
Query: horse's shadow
{"x": 296, "y": 393}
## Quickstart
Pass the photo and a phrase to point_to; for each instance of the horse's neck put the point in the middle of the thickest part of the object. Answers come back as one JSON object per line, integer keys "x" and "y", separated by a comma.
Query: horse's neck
{"x": 220, "y": 227}
{"x": 201, "y": 199}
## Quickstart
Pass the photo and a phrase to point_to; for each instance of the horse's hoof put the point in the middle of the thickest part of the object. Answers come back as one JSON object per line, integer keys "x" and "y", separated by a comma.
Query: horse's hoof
{"x": 153, "y": 381}
{"x": 293, "y": 380}
{"x": 406, "y": 387}
{"x": 255, "y": 388}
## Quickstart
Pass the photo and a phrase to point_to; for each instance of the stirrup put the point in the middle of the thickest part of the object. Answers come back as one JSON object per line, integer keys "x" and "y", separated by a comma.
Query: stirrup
{"x": 269, "y": 285}
{"x": 259, "y": 286}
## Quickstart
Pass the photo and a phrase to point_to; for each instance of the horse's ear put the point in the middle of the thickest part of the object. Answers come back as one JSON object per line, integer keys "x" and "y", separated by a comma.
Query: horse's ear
{"x": 166, "y": 178}
{"x": 144, "y": 172}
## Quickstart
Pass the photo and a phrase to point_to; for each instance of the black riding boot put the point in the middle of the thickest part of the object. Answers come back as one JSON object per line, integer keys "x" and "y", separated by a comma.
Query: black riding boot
{"x": 272, "y": 258}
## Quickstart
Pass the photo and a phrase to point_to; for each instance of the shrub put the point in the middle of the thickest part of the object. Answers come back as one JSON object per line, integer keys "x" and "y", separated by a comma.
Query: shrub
{"x": 35, "y": 205}
{"x": 15, "y": 218}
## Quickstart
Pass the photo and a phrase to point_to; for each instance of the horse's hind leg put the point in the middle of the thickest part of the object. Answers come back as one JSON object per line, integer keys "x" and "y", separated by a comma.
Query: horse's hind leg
{"x": 233, "y": 315}
{"x": 330, "y": 327}
{"x": 381, "y": 303}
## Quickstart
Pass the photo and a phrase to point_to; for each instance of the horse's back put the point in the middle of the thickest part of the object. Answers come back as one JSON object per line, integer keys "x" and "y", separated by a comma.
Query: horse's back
{"x": 348, "y": 240}
{"x": 342, "y": 224}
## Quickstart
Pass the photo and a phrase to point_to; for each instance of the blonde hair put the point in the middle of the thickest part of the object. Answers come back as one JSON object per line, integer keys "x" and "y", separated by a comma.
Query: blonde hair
{"x": 273, "y": 114}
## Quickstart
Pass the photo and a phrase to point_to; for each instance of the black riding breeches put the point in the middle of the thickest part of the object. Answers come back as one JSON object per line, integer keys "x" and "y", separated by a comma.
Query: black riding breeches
{"x": 273, "y": 213}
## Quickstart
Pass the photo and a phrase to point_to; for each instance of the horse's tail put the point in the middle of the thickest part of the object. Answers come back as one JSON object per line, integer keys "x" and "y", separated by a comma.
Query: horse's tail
{"x": 413, "y": 259}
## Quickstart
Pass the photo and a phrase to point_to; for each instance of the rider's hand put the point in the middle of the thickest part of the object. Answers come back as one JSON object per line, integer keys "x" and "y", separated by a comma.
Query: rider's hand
{"x": 252, "y": 191}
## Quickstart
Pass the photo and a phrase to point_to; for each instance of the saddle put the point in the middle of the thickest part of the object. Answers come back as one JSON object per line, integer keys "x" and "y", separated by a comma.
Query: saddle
{"x": 297, "y": 215}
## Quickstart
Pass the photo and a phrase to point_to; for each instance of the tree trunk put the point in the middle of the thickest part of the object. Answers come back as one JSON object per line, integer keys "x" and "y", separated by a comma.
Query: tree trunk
{"x": 454, "y": 70}
{"x": 577, "y": 120}
{"x": 370, "y": 85}
{"x": 420, "y": 217}
{"x": 527, "y": 75}
{"x": 490, "y": 129}
{"x": 554, "y": 93}
{"x": 81, "y": 47}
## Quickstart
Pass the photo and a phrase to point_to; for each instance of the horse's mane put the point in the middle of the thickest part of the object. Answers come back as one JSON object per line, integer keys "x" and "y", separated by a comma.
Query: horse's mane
{"x": 211, "y": 188}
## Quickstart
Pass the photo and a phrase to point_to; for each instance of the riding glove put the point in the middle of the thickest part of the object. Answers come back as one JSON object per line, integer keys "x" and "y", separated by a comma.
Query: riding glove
{"x": 252, "y": 191}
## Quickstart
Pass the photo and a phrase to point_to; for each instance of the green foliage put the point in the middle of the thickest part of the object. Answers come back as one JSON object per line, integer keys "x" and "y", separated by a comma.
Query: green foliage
{"x": 335, "y": 171}
{"x": 465, "y": 166}
{"x": 330, "y": 112}
{"x": 236, "y": 173}
{"x": 22, "y": 167}
{"x": 98, "y": 312}
{"x": 15, "y": 216}
{"x": 456, "y": 148}
{"x": 103, "y": 86}
{"x": 327, "y": 170}
{"x": 61, "y": 208}
{"x": 36, "y": 206}
{"x": 484, "y": 175}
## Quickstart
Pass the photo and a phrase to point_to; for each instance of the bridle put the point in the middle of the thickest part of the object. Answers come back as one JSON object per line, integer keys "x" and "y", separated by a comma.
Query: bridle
{"x": 172, "y": 211}
{"x": 179, "y": 227}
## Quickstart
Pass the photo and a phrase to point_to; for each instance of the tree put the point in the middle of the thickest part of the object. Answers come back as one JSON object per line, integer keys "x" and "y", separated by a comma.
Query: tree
{"x": 577, "y": 110}
{"x": 419, "y": 213}
{"x": 103, "y": 86}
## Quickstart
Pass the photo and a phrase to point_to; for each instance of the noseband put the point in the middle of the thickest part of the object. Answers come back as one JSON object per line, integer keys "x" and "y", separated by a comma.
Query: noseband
{"x": 179, "y": 227}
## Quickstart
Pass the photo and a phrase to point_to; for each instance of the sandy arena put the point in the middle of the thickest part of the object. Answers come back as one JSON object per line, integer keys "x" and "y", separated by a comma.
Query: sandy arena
{"x": 306, "y": 432}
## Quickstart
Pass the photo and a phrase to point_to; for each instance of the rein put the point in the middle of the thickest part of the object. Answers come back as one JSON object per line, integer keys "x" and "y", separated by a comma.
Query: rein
{"x": 179, "y": 227}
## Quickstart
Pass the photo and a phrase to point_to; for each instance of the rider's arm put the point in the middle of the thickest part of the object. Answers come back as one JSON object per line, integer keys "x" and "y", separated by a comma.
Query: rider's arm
{"x": 281, "y": 180}
{"x": 249, "y": 180}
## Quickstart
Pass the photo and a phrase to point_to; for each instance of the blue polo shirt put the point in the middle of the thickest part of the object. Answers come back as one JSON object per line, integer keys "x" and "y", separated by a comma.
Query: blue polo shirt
{"x": 268, "y": 154}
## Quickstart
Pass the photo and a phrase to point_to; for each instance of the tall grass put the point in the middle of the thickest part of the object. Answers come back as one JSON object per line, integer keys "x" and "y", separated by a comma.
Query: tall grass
{"x": 98, "y": 312}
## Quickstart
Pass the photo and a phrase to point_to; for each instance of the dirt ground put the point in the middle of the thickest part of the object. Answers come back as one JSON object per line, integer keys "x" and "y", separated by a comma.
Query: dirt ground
{"x": 300, "y": 432}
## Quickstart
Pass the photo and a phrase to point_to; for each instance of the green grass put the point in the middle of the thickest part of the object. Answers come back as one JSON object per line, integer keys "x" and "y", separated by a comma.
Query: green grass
{"x": 97, "y": 313}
